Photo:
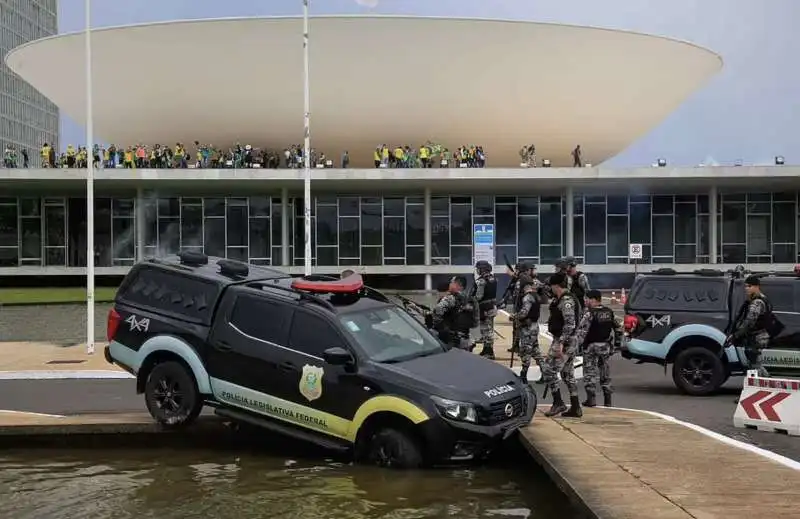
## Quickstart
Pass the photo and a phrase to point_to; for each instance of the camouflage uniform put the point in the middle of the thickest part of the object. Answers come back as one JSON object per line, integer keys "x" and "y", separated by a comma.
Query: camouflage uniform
{"x": 566, "y": 346}
{"x": 442, "y": 321}
{"x": 751, "y": 337}
{"x": 486, "y": 324}
{"x": 528, "y": 332}
{"x": 596, "y": 356}
{"x": 515, "y": 298}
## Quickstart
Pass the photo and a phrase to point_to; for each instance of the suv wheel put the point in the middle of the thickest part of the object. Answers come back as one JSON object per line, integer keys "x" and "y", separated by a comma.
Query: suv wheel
{"x": 393, "y": 448}
{"x": 698, "y": 371}
{"x": 171, "y": 395}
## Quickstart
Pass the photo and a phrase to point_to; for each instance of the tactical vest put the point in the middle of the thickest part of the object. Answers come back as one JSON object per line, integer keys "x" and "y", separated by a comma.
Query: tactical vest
{"x": 534, "y": 313}
{"x": 452, "y": 319}
{"x": 489, "y": 299}
{"x": 577, "y": 289}
{"x": 555, "y": 323}
{"x": 602, "y": 325}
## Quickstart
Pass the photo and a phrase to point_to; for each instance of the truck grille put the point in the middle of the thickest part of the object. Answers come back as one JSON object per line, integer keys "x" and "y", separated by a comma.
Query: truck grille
{"x": 497, "y": 410}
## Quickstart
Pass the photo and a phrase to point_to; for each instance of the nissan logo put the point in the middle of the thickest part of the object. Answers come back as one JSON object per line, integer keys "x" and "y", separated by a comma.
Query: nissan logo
{"x": 509, "y": 409}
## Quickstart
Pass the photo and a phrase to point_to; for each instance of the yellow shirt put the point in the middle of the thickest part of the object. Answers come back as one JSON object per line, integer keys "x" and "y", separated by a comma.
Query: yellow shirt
{"x": 70, "y": 151}
{"x": 376, "y": 156}
{"x": 128, "y": 156}
{"x": 385, "y": 153}
{"x": 398, "y": 153}
{"x": 423, "y": 152}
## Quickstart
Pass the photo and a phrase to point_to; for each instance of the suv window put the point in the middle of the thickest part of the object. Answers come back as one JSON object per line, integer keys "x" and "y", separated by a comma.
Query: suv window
{"x": 261, "y": 318}
{"x": 171, "y": 293}
{"x": 312, "y": 335}
{"x": 780, "y": 295}
{"x": 690, "y": 294}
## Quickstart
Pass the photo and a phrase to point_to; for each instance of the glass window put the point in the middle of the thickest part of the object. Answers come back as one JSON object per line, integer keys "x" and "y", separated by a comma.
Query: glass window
{"x": 124, "y": 238}
{"x": 349, "y": 240}
{"x": 389, "y": 334}
{"x": 501, "y": 253}
{"x": 327, "y": 226}
{"x": 236, "y": 226}
{"x": 327, "y": 256}
{"x": 784, "y": 253}
{"x": 213, "y": 207}
{"x": 394, "y": 206}
{"x": 31, "y": 235}
{"x": 685, "y": 254}
{"x": 550, "y": 220}
{"x": 192, "y": 226}
{"x": 371, "y": 225}
{"x": 577, "y": 235}
{"x": 662, "y": 204}
{"x": 640, "y": 223}
{"x": 169, "y": 236}
{"x": 685, "y": 223}
{"x": 482, "y": 205}
{"x": 784, "y": 223}
{"x": 528, "y": 236}
{"x": 170, "y": 207}
{"x": 8, "y": 225}
{"x": 595, "y": 254}
{"x": 55, "y": 256}
{"x": 260, "y": 206}
{"x": 214, "y": 243}
{"x": 122, "y": 207}
{"x": 262, "y": 319}
{"x": 758, "y": 238}
{"x": 150, "y": 223}
{"x": 312, "y": 335}
{"x": 277, "y": 223}
{"x": 550, "y": 254}
{"x": 415, "y": 255}
{"x": 371, "y": 255}
{"x": 703, "y": 236}
{"x": 440, "y": 206}
{"x": 415, "y": 225}
{"x": 618, "y": 236}
{"x": 663, "y": 237}
{"x": 440, "y": 237}
{"x": 54, "y": 227}
{"x": 259, "y": 238}
{"x": 394, "y": 239}
{"x": 595, "y": 222}
{"x": 733, "y": 254}
{"x": 460, "y": 225}
{"x": 348, "y": 206}
{"x": 702, "y": 204}
{"x": 237, "y": 253}
{"x": 528, "y": 205}
{"x": 577, "y": 205}
{"x": 461, "y": 255}
{"x": 30, "y": 207}
{"x": 734, "y": 223}
{"x": 506, "y": 228}
{"x": 617, "y": 205}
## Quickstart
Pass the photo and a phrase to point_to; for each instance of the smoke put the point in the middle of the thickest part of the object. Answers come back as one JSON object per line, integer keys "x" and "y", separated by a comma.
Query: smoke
{"x": 367, "y": 3}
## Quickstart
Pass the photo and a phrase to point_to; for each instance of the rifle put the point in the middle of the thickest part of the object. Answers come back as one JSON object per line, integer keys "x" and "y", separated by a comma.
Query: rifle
{"x": 510, "y": 287}
{"x": 419, "y": 309}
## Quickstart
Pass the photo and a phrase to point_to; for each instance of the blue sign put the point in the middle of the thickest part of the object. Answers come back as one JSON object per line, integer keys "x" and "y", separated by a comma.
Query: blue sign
{"x": 483, "y": 242}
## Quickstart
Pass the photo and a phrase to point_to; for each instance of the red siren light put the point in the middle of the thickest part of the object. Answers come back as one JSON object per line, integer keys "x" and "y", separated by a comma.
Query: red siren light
{"x": 348, "y": 285}
{"x": 797, "y": 270}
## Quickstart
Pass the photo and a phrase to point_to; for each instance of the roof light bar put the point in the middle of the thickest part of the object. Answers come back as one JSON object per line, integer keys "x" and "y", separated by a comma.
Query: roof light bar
{"x": 347, "y": 285}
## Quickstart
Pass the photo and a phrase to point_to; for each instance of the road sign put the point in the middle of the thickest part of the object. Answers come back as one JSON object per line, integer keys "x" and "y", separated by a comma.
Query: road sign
{"x": 635, "y": 251}
{"x": 769, "y": 404}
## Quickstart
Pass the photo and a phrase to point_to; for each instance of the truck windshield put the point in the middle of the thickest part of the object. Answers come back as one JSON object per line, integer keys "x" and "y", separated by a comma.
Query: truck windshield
{"x": 388, "y": 334}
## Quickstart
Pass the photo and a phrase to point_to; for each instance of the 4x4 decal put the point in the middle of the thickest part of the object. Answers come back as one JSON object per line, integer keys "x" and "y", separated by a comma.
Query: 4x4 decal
{"x": 655, "y": 321}
{"x": 138, "y": 325}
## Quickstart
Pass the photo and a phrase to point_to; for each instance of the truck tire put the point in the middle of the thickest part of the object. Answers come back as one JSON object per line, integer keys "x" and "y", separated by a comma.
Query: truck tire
{"x": 393, "y": 448}
{"x": 698, "y": 371}
{"x": 171, "y": 395}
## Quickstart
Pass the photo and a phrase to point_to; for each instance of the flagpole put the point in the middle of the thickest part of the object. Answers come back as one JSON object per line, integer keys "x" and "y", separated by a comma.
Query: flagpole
{"x": 89, "y": 186}
{"x": 306, "y": 144}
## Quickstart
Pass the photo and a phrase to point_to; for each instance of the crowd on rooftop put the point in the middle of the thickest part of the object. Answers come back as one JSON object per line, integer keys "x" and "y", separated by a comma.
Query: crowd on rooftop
{"x": 180, "y": 156}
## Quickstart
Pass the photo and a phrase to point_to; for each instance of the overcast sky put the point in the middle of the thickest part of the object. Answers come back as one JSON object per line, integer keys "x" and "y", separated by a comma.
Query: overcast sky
{"x": 749, "y": 112}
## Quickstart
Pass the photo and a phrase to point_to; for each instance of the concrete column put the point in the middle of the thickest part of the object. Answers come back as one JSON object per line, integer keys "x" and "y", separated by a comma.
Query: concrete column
{"x": 141, "y": 223}
{"x": 712, "y": 224}
{"x": 285, "y": 215}
{"x": 569, "y": 231}
{"x": 427, "y": 226}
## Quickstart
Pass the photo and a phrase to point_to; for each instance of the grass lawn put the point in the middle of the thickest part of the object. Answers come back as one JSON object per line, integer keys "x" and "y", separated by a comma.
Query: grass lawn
{"x": 56, "y": 295}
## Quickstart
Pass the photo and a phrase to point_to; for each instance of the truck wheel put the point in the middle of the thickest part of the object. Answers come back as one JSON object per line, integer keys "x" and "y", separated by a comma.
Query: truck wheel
{"x": 171, "y": 395}
{"x": 393, "y": 448}
{"x": 698, "y": 371}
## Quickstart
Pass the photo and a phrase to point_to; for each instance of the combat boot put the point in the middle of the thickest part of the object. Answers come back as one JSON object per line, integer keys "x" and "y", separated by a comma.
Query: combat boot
{"x": 574, "y": 410}
{"x": 487, "y": 352}
{"x": 558, "y": 406}
{"x": 591, "y": 400}
{"x": 607, "y": 399}
{"x": 523, "y": 375}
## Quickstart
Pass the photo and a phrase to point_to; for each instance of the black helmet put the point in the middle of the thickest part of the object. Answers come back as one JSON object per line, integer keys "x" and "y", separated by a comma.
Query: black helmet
{"x": 561, "y": 264}
{"x": 570, "y": 261}
{"x": 483, "y": 266}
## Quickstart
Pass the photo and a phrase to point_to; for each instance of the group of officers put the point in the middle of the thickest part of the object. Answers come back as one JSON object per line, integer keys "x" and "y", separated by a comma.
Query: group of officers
{"x": 578, "y": 322}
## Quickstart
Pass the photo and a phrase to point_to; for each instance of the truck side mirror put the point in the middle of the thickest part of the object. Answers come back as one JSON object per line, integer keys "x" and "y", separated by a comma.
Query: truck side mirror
{"x": 337, "y": 356}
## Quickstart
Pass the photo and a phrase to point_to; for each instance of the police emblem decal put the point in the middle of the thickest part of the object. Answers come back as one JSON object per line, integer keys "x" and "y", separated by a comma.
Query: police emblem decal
{"x": 509, "y": 410}
{"x": 311, "y": 382}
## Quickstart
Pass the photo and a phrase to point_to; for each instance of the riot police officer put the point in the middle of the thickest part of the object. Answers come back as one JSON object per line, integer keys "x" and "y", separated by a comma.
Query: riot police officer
{"x": 486, "y": 296}
{"x": 597, "y": 330}
{"x": 452, "y": 315}
{"x": 754, "y": 325}
{"x": 526, "y": 323}
{"x": 579, "y": 282}
{"x": 562, "y": 324}
{"x": 516, "y": 299}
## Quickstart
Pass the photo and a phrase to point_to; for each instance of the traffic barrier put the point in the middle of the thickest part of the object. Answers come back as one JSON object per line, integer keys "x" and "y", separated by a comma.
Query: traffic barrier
{"x": 769, "y": 404}
{"x": 623, "y": 298}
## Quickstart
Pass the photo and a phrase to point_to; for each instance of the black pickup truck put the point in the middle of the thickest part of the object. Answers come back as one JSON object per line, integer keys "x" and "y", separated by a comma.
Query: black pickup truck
{"x": 328, "y": 361}
{"x": 683, "y": 320}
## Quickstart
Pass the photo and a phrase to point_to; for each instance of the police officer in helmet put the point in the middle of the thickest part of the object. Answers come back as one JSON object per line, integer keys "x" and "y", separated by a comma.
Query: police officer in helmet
{"x": 578, "y": 281}
{"x": 451, "y": 317}
{"x": 522, "y": 268}
{"x": 486, "y": 296}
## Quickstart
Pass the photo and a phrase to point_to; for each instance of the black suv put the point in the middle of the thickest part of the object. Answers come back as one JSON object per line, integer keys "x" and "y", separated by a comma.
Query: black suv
{"x": 683, "y": 320}
{"x": 325, "y": 360}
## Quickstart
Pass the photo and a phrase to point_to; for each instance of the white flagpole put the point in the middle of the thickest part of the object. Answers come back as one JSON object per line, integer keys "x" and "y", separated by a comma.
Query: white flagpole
{"x": 89, "y": 187}
{"x": 306, "y": 144}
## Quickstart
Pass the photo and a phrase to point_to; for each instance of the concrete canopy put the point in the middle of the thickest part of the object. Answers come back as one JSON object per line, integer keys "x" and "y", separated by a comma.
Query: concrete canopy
{"x": 374, "y": 80}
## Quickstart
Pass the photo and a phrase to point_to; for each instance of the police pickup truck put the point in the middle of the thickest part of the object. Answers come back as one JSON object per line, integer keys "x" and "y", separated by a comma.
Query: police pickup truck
{"x": 683, "y": 320}
{"x": 325, "y": 360}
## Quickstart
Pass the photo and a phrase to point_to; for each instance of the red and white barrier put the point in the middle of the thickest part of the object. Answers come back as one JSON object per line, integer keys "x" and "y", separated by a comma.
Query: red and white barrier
{"x": 769, "y": 404}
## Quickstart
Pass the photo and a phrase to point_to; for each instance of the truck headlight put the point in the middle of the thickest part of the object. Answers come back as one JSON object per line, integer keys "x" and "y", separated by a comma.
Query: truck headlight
{"x": 455, "y": 410}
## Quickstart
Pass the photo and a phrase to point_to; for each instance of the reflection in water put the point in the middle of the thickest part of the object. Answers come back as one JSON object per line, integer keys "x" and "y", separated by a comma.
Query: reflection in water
{"x": 185, "y": 484}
